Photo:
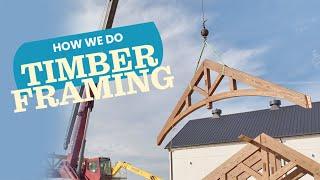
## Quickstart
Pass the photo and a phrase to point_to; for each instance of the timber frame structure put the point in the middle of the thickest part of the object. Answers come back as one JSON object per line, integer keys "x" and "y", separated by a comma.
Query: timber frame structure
{"x": 267, "y": 159}
{"x": 258, "y": 87}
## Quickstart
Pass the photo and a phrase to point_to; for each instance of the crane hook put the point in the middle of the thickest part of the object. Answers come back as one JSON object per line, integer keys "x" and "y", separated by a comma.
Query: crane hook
{"x": 204, "y": 30}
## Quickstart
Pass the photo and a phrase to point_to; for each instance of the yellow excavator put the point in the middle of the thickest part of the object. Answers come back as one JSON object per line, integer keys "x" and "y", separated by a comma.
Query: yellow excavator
{"x": 124, "y": 165}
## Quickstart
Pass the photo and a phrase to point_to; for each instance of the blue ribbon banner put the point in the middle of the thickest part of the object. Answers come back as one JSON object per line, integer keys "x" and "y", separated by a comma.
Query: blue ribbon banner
{"x": 88, "y": 55}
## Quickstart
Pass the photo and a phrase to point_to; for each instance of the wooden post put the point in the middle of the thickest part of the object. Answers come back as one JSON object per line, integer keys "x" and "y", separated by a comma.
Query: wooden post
{"x": 233, "y": 84}
{"x": 207, "y": 84}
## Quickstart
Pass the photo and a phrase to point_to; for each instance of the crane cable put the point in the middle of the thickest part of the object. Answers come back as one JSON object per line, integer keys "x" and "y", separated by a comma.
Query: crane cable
{"x": 204, "y": 34}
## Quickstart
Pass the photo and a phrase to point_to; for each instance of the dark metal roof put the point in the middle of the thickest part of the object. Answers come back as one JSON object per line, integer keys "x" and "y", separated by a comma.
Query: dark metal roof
{"x": 285, "y": 122}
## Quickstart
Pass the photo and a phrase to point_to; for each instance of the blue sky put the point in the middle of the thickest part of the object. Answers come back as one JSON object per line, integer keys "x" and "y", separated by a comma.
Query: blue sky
{"x": 276, "y": 40}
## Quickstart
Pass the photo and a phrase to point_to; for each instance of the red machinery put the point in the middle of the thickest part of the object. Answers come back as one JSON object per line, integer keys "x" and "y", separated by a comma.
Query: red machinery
{"x": 74, "y": 165}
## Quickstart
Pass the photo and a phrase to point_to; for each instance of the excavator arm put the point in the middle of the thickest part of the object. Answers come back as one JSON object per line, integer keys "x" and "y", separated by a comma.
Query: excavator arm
{"x": 124, "y": 165}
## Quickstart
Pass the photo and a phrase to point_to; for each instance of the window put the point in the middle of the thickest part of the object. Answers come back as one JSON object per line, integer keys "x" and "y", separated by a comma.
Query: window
{"x": 105, "y": 167}
{"x": 92, "y": 167}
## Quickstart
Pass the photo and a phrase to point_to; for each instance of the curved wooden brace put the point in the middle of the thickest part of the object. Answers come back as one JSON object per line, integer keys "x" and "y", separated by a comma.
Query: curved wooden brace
{"x": 258, "y": 86}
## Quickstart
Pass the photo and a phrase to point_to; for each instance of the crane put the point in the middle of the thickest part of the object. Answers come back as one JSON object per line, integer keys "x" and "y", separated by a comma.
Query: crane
{"x": 74, "y": 165}
{"x": 138, "y": 171}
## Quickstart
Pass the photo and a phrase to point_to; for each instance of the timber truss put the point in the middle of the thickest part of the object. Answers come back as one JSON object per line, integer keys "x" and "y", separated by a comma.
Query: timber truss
{"x": 267, "y": 159}
{"x": 257, "y": 87}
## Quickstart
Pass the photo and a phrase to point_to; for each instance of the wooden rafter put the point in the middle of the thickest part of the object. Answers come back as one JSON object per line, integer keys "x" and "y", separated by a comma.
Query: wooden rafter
{"x": 258, "y": 87}
{"x": 258, "y": 155}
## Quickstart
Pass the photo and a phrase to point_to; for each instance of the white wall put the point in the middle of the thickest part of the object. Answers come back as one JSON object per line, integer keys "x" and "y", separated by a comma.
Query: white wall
{"x": 195, "y": 163}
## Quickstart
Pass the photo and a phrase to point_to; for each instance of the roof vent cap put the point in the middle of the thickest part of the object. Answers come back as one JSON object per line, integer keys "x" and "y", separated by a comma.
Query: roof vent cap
{"x": 216, "y": 113}
{"x": 275, "y": 104}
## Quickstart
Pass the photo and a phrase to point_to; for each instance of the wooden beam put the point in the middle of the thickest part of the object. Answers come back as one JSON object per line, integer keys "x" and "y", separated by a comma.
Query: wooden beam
{"x": 267, "y": 142}
{"x": 296, "y": 174}
{"x": 272, "y": 160}
{"x": 250, "y": 171}
{"x": 282, "y": 171}
{"x": 250, "y": 162}
{"x": 223, "y": 177}
{"x": 245, "y": 138}
{"x": 253, "y": 159}
{"x": 232, "y": 84}
{"x": 255, "y": 167}
{"x": 301, "y": 160}
{"x": 265, "y": 164}
{"x": 278, "y": 162}
{"x": 234, "y": 173}
{"x": 260, "y": 88}
{"x": 227, "y": 166}
{"x": 208, "y": 84}
{"x": 170, "y": 124}
{"x": 295, "y": 97}
{"x": 207, "y": 78}
{"x": 215, "y": 85}
{"x": 200, "y": 90}
{"x": 188, "y": 101}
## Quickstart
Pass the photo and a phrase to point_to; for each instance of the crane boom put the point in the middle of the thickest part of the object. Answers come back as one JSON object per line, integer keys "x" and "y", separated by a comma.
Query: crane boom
{"x": 107, "y": 24}
{"x": 81, "y": 111}
{"x": 124, "y": 165}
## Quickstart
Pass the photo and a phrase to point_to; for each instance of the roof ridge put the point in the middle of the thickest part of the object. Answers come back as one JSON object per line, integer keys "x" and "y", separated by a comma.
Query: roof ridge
{"x": 288, "y": 121}
{"x": 224, "y": 115}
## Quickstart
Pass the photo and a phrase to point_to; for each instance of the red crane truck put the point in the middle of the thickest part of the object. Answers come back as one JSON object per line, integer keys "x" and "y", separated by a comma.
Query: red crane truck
{"x": 74, "y": 165}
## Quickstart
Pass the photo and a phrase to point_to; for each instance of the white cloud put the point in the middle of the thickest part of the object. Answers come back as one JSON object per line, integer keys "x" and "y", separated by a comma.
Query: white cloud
{"x": 245, "y": 59}
{"x": 86, "y": 16}
{"x": 125, "y": 128}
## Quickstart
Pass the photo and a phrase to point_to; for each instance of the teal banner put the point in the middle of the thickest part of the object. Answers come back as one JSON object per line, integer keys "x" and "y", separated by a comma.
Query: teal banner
{"x": 136, "y": 48}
